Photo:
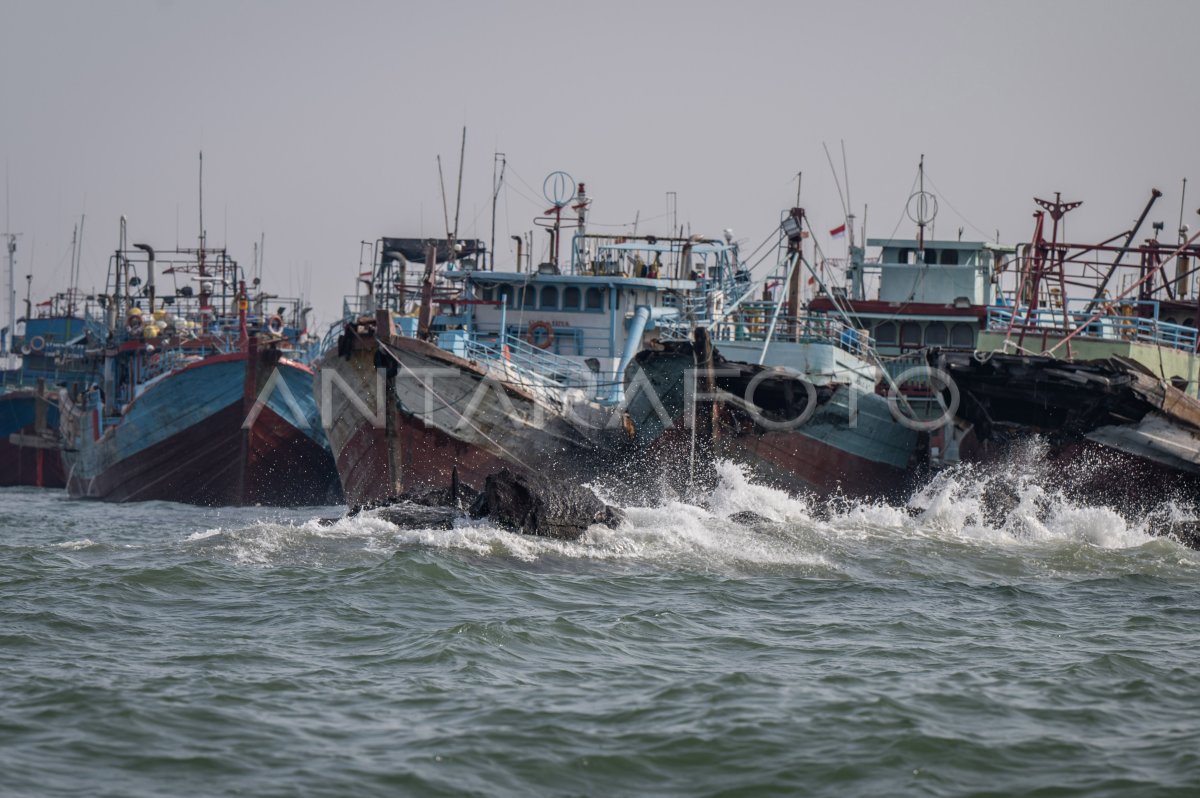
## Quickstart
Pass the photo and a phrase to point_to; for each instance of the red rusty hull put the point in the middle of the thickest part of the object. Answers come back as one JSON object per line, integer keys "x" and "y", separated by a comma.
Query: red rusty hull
{"x": 35, "y": 467}
{"x": 36, "y": 461}
{"x": 790, "y": 461}
{"x": 798, "y": 463}
{"x": 424, "y": 458}
{"x": 379, "y": 457}
{"x": 363, "y": 465}
{"x": 202, "y": 465}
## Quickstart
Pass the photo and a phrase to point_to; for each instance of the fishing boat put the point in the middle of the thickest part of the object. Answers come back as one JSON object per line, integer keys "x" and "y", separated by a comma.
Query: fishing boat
{"x": 787, "y": 392}
{"x": 53, "y": 345}
{"x": 204, "y": 397}
{"x": 473, "y": 369}
{"x": 1097, "y": 351}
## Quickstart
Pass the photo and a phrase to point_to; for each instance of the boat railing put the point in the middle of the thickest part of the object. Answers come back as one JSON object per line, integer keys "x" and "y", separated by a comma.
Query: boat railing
{"x": 162, "y": 363}
{"x": 529, "y": 366}
{"x": 329, "y": 340}
{"x": 909, "y": 371}
{"x": 754, "y": 321}
{"x": 1120, "y": 323}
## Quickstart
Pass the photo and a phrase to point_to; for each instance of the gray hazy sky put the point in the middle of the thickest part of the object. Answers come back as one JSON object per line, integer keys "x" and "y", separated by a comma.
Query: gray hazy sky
{"x": 320, "y": 122}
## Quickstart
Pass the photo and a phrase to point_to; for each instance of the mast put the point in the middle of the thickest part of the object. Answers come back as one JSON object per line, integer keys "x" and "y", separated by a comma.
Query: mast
{"x": 920, "y": 215}
{"x": 425, "y": 318}
{"x": 496, "y": 184}
{"x": 204, "y": 298}
{"x": 71, "y": 281}
{"x": 12, "y": 266}
{"x": 445, "y": 208}
{"x": 12, "y": 291}
{"x": 1182, "y": 278}
{"x": 458, "y": 194}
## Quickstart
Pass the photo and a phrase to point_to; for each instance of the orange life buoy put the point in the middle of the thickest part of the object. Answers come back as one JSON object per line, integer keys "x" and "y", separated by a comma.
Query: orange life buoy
{"x": 531, "y": 334}
{"x": 275, "y": 325}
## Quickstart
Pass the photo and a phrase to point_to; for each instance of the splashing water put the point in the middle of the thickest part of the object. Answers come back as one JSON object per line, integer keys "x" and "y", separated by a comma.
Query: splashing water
{"x": 1016, "y": 512}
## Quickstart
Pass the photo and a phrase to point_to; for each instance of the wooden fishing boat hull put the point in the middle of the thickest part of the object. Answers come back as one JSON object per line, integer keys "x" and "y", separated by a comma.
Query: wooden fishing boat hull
{"x": 405, "y": 414}
{"x": 845, "y": 445}
{"x": 30, "y": 449}
{"x": 233, "y": 429}
{"x": 1111, "y": 431}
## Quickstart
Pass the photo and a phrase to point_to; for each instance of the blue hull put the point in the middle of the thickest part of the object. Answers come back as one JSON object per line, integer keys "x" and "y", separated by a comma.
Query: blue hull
{"x": 201, "y": 435}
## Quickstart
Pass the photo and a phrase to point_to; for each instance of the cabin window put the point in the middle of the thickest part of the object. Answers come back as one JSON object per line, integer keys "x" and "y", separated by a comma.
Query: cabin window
{"x": 529, "y": 297}
{"x": 936, "y": 333}
{"x": 571, "y": 298}
{"x": 511, "y": 297}
{"x": 550, "y": 298}
{"x": 931, "y": 256}
{"x": 910, "y": 334}
{"x": 594, "y": 299}
{"x": 487, "y": 293}
{"x": 962, "y": 335}
{"x": 949, "y": 257}
{"x": 886, "y": 333}
{"x": 904, "y": 256}
{"x": 1189, "y": 322}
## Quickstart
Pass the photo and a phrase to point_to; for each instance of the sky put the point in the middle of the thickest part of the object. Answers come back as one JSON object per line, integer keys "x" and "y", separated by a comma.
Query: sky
{"x": 321, "y": 123}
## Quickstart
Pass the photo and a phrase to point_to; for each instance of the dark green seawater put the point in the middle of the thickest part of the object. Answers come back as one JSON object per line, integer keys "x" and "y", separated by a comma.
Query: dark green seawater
{"x": 158, "y": 649}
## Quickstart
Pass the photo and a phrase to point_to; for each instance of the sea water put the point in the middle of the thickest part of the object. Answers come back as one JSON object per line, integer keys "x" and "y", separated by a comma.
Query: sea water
{"x": 953, "y": 646}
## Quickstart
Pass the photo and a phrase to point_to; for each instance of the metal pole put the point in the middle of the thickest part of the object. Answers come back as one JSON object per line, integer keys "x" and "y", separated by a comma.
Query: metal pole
{"x": 12, "y": 292}
{"x": 1154, "y": 195}
{"x": 496, "y": 183}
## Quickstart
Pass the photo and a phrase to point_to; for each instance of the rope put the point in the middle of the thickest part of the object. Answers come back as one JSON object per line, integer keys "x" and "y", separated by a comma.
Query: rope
{"x": 446, "y": 404}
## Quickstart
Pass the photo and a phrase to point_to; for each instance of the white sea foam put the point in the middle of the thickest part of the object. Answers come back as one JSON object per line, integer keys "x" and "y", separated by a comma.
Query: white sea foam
{"x": 204, "y": 535}
{"x": 76, "y": 545}
{"x": 1002, "y": 508}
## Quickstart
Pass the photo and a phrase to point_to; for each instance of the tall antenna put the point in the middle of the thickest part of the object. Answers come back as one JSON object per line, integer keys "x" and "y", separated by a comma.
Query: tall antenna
{"x": 921, "y": 216}
{"x": 1182, "y": 199}
{"x": 12, "y": 290}
{"x": 12, "y": 267}
{"x": 462, "y": 154}
{"x": 445, "y": 210}
{"x": 497, "y": 182}
{"x": 74, "y": 261}
{"x": 202, "y": 199}
{"x": 79, "y": 255}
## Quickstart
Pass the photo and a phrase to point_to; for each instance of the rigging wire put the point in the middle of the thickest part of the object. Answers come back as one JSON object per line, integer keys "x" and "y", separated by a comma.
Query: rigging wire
{"x": 942, "y": 194}
{"x": 836, "y": 181}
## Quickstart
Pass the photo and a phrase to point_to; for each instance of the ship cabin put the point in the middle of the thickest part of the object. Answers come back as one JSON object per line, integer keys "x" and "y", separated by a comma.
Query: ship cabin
{"x": 617, "y": 292}
{"x": 935, "y": 295}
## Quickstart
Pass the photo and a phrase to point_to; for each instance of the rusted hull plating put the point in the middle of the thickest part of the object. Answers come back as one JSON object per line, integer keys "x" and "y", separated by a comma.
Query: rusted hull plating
{"x": 30, "y": 449}
{"x": 428, "y": 413}
{"x": 186, "y": 440}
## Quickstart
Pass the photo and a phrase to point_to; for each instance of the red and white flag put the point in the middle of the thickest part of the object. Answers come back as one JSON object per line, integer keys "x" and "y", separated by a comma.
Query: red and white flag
{"x": 838, "y": 231}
